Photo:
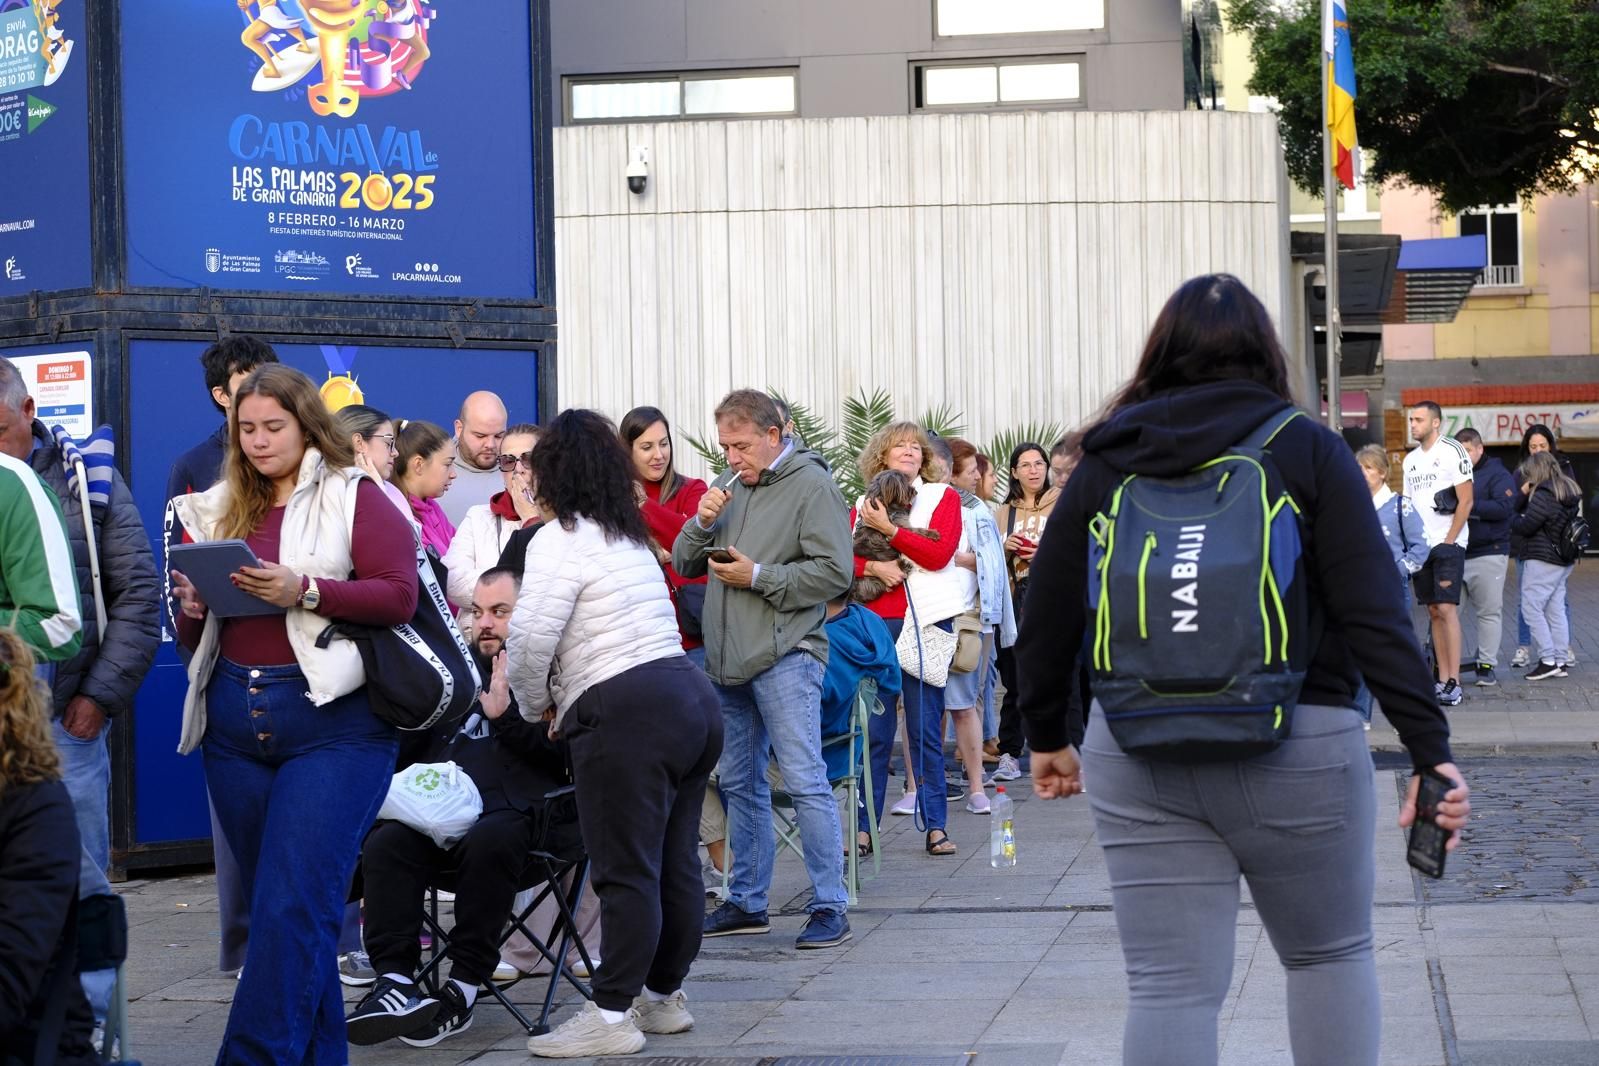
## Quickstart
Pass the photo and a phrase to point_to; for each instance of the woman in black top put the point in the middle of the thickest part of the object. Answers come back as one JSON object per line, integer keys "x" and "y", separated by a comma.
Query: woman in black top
{"x": 1297, "y": 822}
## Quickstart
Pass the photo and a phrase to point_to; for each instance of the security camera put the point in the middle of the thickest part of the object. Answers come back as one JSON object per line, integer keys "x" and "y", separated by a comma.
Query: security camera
{"x": 638, "y": 171}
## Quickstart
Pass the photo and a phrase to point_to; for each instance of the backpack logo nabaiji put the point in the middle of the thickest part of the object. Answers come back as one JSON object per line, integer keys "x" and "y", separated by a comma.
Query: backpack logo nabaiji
{"x": 1200, "y": 607}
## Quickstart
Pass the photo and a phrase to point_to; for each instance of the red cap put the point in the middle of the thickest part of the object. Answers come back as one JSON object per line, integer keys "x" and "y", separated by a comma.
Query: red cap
{"x": 999, "y": 788}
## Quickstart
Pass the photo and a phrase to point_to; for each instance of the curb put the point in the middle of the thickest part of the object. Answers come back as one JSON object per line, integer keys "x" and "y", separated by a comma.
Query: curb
{"x": 1567, "y": 748}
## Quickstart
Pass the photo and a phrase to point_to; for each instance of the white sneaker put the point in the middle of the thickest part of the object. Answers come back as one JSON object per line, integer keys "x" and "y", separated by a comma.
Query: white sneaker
{"x": 580, "y": 969}
{"x": 662, "y": 1016}
{"x": 978, "y": 804}
{"x": 1522, "y": 657}
{"x": 905, "y": 806}
{"x": 1008, "y": 769}
{"x": 1571, "y": 657}
{"x": 587, "y": 1034}
{"x": 507, "y": 973}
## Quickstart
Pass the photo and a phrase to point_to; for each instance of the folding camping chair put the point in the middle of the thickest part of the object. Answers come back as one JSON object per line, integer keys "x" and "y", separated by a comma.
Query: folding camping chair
{"x": 856, "y": 781}
{"x": 546, "y": 871}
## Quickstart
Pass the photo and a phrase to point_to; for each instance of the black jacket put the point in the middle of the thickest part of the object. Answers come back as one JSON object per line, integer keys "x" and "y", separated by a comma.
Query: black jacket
{"x": 201, "y": 466}
{"x": 110, "y": 667}
{"x": 38, "y": 902}
{"x": 1540, "y": 521}
{"x": 1493, "y": 501}
{"x": 1366, "y": 630}
{"x": 513, "y": 762}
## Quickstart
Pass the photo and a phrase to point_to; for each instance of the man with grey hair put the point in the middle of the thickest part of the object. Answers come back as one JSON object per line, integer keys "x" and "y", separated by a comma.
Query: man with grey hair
{"x": 777, "y": 543}
{"x": 96, "y": 684}
{"x": 479, "y": 428}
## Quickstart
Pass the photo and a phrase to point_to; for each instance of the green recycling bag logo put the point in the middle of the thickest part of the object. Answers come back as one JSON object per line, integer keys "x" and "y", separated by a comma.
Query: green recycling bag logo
{"x": 428, "y": 780}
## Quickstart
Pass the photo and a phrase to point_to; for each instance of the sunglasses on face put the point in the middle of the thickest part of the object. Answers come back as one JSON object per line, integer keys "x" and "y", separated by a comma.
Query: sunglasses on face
{"x": 508, "y": 462}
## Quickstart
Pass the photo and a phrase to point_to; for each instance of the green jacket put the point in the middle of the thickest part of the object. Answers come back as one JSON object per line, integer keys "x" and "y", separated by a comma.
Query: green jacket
{"x": 794, "y": 524}
{"x": 38, "y": 578}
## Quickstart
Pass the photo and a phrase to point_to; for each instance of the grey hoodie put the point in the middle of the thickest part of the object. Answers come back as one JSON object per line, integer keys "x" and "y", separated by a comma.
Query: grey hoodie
{"x": 794, "y": 524}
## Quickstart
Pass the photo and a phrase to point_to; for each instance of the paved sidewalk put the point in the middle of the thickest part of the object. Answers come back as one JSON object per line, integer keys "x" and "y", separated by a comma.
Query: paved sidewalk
{"x": 955, "y": 962}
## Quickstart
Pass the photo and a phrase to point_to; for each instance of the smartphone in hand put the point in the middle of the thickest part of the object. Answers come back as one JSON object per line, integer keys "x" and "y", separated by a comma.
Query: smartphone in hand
{"x": 1428, "y": 842}
{"x": 718, "y": 555}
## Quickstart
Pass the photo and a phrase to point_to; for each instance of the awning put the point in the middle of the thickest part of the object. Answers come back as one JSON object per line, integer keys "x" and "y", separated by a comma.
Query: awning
{"x": 1435, "y": 277}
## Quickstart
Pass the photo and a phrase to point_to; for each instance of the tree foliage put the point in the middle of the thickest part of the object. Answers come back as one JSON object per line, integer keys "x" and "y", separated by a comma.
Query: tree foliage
{"x": 1478, "y": 101}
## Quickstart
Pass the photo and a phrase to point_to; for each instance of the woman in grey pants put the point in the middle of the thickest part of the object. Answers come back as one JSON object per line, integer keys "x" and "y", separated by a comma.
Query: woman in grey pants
{"x": 1297, "y": 822}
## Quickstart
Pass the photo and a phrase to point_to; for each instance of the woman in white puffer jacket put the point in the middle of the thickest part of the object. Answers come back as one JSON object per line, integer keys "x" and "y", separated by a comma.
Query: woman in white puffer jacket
{"x": 485, "y": 529}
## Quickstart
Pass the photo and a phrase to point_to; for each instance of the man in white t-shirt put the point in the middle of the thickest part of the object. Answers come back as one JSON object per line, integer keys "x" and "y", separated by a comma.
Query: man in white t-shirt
{"x": 1438, "y": 480}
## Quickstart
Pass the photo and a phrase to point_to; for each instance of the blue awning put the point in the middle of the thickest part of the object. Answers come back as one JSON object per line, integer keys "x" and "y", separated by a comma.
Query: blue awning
{"x": 1434, "y": 278}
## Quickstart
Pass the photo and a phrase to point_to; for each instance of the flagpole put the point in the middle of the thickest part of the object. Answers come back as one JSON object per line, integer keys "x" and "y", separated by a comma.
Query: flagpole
{"x": 1330, "y": 249}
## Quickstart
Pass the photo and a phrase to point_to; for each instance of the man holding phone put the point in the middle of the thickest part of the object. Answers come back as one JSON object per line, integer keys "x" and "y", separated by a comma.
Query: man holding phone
{"x": 774, "y": 536}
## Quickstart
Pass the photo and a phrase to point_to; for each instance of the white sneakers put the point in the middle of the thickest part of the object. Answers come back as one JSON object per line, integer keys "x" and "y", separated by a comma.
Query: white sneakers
{"x": 906, "y": 805}
{"x": 587, "y": 1033}
{"x": 662, "y": 1016}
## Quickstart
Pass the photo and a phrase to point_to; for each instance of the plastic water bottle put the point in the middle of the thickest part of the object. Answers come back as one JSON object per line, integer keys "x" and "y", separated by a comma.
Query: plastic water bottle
{"x": 1002, "y": 841}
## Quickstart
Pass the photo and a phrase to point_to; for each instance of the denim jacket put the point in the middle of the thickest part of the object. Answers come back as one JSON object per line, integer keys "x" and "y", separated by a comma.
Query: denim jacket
{"x": 993, "y": 582}
{"x": 1402, "y": 528}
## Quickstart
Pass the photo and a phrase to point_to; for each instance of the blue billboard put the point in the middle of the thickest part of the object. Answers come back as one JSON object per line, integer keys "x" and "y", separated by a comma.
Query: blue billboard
{"x": 358, "y": 147}
{"x": 44, "y": 147}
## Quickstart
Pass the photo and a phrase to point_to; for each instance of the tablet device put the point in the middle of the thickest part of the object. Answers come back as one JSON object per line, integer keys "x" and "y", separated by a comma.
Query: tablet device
{"x": 209, "y": 565}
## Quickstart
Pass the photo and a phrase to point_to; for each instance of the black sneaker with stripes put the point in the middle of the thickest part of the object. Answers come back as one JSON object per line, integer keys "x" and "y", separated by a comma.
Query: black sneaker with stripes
{"x": 391, "y": 1009}
{"x": 454, "y": 1016}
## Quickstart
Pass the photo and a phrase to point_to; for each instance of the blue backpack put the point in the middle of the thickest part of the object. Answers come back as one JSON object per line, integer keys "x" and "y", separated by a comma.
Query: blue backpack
{"x": 1201, "y": 613}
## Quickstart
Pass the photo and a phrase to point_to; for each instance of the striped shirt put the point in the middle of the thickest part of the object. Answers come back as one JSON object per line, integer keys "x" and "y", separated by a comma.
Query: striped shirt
{"x": 38, "y": 580}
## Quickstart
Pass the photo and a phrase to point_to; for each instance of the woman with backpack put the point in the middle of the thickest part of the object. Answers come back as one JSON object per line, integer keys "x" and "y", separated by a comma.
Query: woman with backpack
{"x": 1546, "y": 507}
{"x": 1297, "y": 820}
{"x": 296, "y": 762}
{"x": 1538, "y": 439}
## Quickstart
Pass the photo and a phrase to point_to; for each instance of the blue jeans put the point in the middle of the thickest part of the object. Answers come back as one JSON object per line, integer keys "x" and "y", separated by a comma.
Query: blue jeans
{"x": 295, "y": 787}
{"x": 924, "y": 715}
{"x": 780, "y": 709}
{"x": 86, "y": 771}
{"x": 985, "y": 690}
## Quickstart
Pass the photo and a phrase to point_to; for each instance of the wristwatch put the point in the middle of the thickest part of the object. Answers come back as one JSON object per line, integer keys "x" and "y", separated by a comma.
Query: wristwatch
{"x": 310, "y": 597}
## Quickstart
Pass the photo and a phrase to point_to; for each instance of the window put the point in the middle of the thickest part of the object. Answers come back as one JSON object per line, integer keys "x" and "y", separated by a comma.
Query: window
{"x": 1002, "y": 84}
{"x": 690, "y": 95}
{"x": 988, "y": 18}
{"x": 1501, "y": 224}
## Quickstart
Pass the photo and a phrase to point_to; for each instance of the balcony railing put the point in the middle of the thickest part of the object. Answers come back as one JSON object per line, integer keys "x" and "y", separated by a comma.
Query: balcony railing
{"x": 1501, "y": 277}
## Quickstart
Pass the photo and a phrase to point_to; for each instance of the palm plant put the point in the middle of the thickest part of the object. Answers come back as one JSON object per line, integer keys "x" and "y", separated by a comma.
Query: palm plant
{"x": 999, "y": 448}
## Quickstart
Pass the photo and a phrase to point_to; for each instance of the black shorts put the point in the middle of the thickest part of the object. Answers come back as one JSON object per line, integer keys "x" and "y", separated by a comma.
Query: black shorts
{"x": 1440, "y": 577}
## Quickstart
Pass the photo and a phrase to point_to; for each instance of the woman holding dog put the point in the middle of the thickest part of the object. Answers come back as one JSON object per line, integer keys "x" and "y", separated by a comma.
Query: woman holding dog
{"x": 933, "y": 593}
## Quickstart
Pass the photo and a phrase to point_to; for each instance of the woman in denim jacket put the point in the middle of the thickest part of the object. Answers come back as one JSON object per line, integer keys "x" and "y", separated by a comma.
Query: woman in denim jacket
{"x": 1402, "y": 527}
{"x": 984, "y": 555}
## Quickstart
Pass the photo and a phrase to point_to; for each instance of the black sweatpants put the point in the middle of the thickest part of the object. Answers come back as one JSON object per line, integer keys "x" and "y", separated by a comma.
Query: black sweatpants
{"x": 1011, "y": 739}
{"x": 397, "y": 865}
{"x": 643, "y": 745}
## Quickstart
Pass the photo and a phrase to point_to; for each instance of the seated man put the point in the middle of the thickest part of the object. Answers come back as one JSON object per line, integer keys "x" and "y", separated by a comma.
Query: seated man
{"x": 859, "y": 647}
{"x": 515, "y": 765}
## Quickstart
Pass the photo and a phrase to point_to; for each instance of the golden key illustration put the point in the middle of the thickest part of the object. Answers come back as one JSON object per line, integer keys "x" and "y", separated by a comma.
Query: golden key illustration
{"x": 334, "y": 23}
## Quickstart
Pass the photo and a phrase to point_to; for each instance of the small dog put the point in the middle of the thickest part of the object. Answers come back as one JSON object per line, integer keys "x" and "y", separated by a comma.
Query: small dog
{"x": 894, "y": 491}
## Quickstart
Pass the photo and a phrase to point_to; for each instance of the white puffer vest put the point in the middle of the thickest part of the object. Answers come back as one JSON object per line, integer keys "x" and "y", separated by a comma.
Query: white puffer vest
{"x": 315, "y": 542}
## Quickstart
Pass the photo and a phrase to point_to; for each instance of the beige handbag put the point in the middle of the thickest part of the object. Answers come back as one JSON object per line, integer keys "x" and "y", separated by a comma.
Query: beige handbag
{"x": 968, "y": 643}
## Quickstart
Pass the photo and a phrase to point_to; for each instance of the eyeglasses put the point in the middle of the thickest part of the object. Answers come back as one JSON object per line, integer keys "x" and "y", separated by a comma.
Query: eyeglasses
{"x": 386, "y": 438}
{"x": 508, "y": 462}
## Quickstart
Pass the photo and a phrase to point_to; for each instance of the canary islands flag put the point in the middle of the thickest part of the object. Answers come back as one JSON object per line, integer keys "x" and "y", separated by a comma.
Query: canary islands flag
{"x": 1340, "y": 59}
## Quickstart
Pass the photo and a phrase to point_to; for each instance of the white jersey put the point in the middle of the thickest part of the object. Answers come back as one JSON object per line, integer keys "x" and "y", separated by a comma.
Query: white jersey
{"x": 1429, "y": 471}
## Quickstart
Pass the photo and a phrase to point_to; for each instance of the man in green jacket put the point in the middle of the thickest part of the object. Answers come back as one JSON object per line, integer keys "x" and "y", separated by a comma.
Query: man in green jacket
{"x": 781, "y": 538}
{"x": 38, "y": 583}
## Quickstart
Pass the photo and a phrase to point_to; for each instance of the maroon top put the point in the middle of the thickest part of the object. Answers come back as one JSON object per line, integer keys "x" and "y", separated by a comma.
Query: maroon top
{"x": 383, "y": 592}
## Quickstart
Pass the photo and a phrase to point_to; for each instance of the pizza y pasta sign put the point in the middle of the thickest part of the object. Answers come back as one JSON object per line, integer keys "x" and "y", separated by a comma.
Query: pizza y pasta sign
{"x": 341, "y": 146}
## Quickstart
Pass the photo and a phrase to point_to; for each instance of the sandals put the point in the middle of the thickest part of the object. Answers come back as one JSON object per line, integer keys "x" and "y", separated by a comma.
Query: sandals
{"x": 942, "y": 846}
{"x": 863, "y": 848}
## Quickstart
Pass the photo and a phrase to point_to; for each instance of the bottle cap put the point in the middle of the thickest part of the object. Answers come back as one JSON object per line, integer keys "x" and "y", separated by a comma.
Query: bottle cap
{"x": 999, "y": 788}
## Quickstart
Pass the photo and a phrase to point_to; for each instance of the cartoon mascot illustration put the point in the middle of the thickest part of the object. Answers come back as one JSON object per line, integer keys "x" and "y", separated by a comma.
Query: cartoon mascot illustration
{"x": 270, "y": 18}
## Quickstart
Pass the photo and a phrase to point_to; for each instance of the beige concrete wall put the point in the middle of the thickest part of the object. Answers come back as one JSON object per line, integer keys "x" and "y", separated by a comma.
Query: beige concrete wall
{"x": 1008, "y": 265}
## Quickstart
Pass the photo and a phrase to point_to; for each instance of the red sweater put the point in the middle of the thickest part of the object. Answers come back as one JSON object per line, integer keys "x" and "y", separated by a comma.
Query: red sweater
{"x": 666, "y": 522}
{"x": 928, "y": 554}
{"x": 383, "y": 592}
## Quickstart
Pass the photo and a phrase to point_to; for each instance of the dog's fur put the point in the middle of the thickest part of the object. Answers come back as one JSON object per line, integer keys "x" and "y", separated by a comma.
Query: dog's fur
{"x": 895, "y": 492}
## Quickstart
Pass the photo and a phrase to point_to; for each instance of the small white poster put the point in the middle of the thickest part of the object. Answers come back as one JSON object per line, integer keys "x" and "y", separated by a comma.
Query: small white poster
{"x": 62, "y": 387}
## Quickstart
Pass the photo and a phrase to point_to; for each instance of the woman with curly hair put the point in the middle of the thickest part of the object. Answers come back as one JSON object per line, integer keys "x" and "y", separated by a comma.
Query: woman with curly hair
{"x": 38, "y": 876}
{"x": 932, "y": 594}
{"x": 594, "y": 634}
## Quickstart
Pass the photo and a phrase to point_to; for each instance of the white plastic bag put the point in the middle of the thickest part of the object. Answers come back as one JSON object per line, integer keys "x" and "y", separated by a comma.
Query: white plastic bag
{"x": 436, "y": 798}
